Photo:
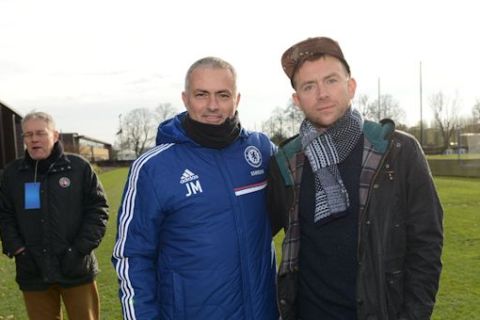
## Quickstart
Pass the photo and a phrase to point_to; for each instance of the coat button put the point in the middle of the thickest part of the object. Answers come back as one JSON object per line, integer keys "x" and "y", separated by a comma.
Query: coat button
{"x": 283, "y": 302}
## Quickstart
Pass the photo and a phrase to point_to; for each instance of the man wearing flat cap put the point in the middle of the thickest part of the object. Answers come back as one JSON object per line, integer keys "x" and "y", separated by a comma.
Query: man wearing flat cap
{"x": 362, "y": 219}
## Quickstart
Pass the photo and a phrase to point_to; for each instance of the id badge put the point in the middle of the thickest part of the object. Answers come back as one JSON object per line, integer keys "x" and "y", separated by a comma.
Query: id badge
{"x": 32, "y": 195}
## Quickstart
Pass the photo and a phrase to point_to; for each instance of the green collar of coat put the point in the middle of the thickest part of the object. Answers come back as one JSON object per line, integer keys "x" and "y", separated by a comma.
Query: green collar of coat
{"x": 378, "y": 134}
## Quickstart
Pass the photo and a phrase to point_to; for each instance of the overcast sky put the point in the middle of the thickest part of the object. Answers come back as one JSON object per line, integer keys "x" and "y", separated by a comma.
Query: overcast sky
{"x": 86, "y": 62}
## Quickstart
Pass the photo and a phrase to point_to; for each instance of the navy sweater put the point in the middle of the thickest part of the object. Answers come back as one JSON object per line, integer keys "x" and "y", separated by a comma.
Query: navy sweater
{"x": 328, "y": 252}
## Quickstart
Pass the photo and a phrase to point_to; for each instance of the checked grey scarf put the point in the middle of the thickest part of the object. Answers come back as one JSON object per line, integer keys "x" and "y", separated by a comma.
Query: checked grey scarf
{"x": 324, "y": 150}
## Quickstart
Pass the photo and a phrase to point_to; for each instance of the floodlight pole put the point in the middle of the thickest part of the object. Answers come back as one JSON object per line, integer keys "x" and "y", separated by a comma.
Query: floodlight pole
{"x": 421, "y": 107}
{"x": 379, "y": 102}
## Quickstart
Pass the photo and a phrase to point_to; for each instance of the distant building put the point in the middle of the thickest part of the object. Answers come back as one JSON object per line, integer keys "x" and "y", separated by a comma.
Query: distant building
{"x": 432, "y": 139}
{"x": 11, "y": 143}
{"x": 92, "y": 149}
{"x": 472, "y": 142}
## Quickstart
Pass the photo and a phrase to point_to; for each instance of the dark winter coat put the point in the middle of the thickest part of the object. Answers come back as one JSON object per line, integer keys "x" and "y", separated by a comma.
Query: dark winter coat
{"x": 400, "y": 226}
{"x": 61, "y": 235}
{"x": 194, "y": 239}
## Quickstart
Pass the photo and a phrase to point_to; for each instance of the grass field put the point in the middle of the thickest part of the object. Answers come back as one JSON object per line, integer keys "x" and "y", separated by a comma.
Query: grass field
{"x": 467, "y": 156}
{"x": 459, "y": 294}
{"x": 11, "y": 303}
{"x": 460, "y": 282}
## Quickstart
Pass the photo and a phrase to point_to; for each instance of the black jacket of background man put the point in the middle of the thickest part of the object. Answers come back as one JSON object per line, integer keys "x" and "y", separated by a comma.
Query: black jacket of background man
{"x": 61, "y": 235}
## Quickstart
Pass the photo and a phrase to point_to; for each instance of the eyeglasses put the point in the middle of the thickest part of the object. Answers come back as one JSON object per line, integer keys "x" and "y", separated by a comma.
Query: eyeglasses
{"x": 30, "y": 134}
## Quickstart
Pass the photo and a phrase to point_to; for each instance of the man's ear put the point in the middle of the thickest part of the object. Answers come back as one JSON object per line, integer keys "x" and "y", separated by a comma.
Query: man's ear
{"x": 56, "y": 135}
{"x": 185, "y": 99}
{"x": 237, "y": 102}
{"x": 296, "y": 101}
{"x": 352, "y": 87}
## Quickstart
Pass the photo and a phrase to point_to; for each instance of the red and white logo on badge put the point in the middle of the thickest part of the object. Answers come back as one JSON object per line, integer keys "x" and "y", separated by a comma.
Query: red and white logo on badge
{"x": 64, "y": 182}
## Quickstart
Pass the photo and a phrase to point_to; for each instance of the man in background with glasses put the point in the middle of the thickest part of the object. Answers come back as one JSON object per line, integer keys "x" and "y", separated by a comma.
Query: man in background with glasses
{"x": 53, "y": 214}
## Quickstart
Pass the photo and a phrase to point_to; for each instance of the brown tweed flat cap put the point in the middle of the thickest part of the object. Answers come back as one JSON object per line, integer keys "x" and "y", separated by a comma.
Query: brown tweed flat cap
{"x": 299, "y": 52}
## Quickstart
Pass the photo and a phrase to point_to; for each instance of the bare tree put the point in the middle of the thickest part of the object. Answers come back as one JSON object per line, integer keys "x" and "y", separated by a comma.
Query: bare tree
{"x": 445, "y": 115}
{"x": 361, "y": 104}
{"x": 388, "y": 108}
{"x": 293, "y": 117}
{"x": 476, "y": 112}
{"x": 137, "y": 131}
{"x": 274, "y": 125}
{"x": 283, "y": 123}
{"x": 164, "y": 111}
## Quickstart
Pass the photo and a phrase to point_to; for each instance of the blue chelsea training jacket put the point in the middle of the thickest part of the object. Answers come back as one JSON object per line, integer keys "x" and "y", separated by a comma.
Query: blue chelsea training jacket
{"x": 194, "y": 240}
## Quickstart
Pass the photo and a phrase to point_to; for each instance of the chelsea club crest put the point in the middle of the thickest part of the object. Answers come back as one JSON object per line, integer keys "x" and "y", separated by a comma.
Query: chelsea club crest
{"x": 253, "y": 156}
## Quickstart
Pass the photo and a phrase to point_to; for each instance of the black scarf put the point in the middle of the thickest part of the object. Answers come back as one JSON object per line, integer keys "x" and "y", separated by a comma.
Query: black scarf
{"x": 211, "y": 135}
{"x": 42, "y": 166}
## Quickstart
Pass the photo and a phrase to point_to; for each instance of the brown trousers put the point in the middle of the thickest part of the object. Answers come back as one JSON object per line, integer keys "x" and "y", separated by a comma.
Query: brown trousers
{"x": 81, "y": 303}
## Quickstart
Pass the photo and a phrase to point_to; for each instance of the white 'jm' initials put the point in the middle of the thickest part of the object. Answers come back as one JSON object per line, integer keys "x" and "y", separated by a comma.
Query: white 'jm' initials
{"x": 193, "y": 187}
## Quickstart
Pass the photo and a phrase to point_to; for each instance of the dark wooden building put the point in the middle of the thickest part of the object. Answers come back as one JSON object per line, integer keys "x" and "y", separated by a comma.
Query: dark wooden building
{"x": 11, "y": 143}
{"x": 92, "y": 149}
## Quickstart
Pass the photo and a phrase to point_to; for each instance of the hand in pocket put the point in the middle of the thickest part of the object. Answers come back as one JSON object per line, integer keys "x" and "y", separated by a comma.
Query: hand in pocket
{"x": 25, "y": 265}
{"x": 75, "y": 264}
